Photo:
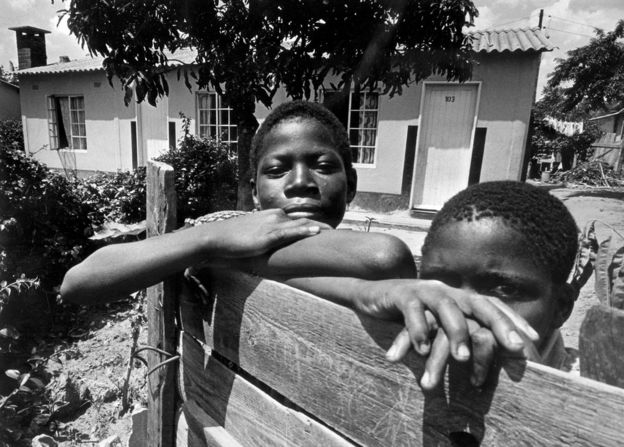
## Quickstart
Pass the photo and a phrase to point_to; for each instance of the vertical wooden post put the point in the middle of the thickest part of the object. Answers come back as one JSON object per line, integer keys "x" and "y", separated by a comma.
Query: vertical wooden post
{"x": 161, "y": 218}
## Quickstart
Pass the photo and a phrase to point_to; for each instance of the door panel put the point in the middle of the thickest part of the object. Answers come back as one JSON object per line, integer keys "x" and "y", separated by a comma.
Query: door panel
{"x": 444, "y": 148}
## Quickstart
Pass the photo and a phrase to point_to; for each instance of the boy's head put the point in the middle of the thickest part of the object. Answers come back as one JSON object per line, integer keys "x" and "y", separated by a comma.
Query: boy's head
{"x": 510, "y": 240}
{"x": 302, "y": 163}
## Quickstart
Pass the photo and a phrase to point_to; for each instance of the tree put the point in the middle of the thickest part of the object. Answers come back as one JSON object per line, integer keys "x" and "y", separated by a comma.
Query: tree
{"x": 246, "y": 50}
{"x": 8, "y": 75}
{"x": 590, "y": 79}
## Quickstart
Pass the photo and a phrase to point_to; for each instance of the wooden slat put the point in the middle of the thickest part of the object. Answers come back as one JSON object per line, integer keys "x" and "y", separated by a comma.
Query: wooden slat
{"x": 160, "y": 219}
{"x": 249, "y": 415}
{"x": 601, "y": 345}
{"x": 329, "y": 361}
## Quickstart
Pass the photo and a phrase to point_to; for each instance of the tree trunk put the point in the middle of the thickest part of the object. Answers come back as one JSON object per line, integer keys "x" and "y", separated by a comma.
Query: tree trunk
{"x": 247, "y": 125}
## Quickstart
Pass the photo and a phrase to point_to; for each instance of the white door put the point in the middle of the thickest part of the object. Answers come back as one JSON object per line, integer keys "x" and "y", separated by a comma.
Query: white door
{"x": 445, "y": 143}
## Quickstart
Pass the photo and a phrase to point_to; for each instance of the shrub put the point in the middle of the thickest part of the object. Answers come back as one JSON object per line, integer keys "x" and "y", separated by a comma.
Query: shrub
{"x": 206, "y": 178}
{"x": 117, "y": 197}
{"x": 44, "y": 225}
{"x": 11, "y": 134}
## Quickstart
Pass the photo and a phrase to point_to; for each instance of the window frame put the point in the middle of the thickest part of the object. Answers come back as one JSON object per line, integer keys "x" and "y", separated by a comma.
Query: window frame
{"x": 219, "y": 126}
{"x": 349, "y": 128}
{"x": 53, "y": 129}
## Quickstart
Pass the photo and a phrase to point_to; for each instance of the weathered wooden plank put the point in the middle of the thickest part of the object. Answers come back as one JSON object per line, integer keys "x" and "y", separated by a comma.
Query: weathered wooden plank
{"x": 329, "y": 361}
{"x": 601, "y": 345}
{"x": 248, "y": 414}
{"x": 160, "y": 219}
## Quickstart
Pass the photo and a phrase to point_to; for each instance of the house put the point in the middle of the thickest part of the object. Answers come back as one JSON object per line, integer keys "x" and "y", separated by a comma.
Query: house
{"x": 411, "y": 151}
{"x": 9, "y": 101}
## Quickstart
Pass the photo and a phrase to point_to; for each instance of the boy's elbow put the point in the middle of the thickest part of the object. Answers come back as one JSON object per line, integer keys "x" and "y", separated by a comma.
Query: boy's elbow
{"x": 392, "y": 258}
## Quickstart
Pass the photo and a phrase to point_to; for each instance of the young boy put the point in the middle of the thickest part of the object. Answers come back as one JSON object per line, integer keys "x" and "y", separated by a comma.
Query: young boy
{"x": 304, "y": 180}
{"x": 513, "y": 241}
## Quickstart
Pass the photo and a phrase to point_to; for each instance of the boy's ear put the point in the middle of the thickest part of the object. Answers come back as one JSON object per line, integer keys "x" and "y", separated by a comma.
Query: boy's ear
{"x": 565, "y": 296}
{"x": 254, "y": 193}
{"x": 351, "y": 184}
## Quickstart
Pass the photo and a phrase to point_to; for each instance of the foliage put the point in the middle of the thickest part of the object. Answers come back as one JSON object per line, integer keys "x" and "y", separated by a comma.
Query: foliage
{"x": 545, "y": 140}
{"x": 205, "y": 175}
{"x": 247, "y": 50}
{"x": 44, "y": 225}
{"x": 606, "y": 259}
{"x": 10, "y": 75}
{"x": 114, "y": 197}
{"x": 590, "y": 79}
{"x": 11, "y": 134}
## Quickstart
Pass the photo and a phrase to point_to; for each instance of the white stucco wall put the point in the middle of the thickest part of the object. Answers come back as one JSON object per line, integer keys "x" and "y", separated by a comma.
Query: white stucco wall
{"x": 9, "y": 102}
{"x": 508, "y": 85}
{"x": 107, "y": 120}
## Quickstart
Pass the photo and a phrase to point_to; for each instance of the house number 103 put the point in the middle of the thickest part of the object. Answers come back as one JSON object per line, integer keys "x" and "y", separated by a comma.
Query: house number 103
{"x": 449, "y": 98}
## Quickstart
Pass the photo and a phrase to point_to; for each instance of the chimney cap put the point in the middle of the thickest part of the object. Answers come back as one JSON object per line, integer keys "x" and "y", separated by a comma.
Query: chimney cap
{"x": 29, "y": 29}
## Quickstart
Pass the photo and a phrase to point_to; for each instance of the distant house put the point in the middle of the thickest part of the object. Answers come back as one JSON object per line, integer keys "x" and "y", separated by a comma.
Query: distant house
{"x": 9, "y": 101}
{"x": 608, "y": 146}
{"x": 411, "y": 151}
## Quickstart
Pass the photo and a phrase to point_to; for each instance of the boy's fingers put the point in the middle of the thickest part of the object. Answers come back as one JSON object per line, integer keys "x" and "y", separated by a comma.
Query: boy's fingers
{"x": 436, "y": 362}
{"x": 400, "y": 346}
{"x": 416, "y": 325}
{"x": 503, "y": 327}
{"x": 483, "y": 349}
{"x": 453, "y": 322}
{"x": 520, "y": 322}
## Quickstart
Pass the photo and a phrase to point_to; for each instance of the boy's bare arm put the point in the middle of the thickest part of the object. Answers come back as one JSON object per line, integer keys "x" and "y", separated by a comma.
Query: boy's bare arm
{"x": 117, "y": 270}
{"x": 342, "y": 253}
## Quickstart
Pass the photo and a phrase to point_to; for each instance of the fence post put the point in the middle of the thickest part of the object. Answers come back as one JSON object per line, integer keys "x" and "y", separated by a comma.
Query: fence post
{"x": 161, "y": 218}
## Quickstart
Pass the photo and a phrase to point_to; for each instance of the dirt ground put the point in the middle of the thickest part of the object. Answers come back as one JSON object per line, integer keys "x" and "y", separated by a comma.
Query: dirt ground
{"x": 100, "y": 357}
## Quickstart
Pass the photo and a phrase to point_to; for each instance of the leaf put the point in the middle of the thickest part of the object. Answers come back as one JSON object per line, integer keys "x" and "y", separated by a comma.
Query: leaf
{"x": 9, "y": 332}
{"x": 585, "y": 257}
{"x": 603, "y": 283}
{"x": 13, "y": 374}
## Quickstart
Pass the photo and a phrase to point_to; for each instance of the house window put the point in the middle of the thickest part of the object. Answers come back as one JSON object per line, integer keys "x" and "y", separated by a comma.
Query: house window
{"x": 363, "y": 113}
{"x": 215, "y": 119}
{"x": 66, "y": 122}
{"x": 359, "y": 115}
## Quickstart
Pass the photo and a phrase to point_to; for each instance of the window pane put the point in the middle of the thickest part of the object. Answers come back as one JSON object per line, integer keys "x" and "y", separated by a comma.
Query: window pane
{"x": 77, "y": 102}
{"x": 203, "y": 118}
{"x": 353, "y": 137}
{"x": 225, "y": 117}
{"x": 213, "y": 117}
{"x": 369, "y": 119}
{"x": 234, "y": 133}
{"x": 212, "y": 131}
{"x": 371, "y": 100}
{"x": 224, "y": 134}
{"x": 368, "y": 137}
{"x": 355, "y": 119}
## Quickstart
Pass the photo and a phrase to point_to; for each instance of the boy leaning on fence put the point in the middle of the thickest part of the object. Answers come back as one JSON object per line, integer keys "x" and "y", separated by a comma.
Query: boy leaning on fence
{"x": 303, "y": 181}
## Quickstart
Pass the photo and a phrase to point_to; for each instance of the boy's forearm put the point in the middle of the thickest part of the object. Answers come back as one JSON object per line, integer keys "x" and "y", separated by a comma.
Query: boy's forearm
{"x": 343, "y": 253}
{"x": 117, "y": 270}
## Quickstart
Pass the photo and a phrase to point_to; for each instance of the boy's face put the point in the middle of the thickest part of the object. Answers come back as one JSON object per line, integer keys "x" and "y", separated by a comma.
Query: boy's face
{"x": 302, "y": 172}
{"x": 488, "y": 257}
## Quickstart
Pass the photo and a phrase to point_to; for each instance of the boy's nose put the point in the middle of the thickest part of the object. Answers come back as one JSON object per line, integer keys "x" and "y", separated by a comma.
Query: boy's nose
{"x": 301, "y": 183}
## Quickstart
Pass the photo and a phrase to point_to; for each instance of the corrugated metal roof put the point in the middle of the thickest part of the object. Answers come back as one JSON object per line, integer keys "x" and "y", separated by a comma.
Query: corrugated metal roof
{"x": 517, "y": 39}
{"x": 489, "y": 41}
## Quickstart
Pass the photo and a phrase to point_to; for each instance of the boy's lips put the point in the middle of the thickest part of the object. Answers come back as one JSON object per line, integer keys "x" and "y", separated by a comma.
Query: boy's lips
{"x": 303, "y": 210}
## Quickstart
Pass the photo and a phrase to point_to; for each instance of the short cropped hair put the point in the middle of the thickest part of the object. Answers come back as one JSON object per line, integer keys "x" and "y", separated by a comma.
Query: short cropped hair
{"x": 543, "y": 220}
{"x": 302, "y": 109}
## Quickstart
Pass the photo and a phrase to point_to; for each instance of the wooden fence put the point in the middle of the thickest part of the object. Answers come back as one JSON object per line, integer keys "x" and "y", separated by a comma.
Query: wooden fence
{"x": 264, "y": 364}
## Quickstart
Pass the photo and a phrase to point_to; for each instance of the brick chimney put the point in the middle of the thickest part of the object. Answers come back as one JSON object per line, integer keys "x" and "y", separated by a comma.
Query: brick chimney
{"x": 31, "y": 48}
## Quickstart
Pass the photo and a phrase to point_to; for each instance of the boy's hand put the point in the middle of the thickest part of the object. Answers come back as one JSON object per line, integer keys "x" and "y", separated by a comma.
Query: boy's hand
{"x": 427, "y": 305}
{"x": 257, "y": 233}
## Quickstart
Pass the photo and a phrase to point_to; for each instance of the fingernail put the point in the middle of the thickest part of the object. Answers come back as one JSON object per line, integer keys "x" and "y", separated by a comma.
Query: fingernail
{"x": 532, "y": 333}
{"x": 392, "y": 353}
{"x": 425, "y": 380}
{"x": 423, "y": 347}
{"x": 515, "y": 339}
{"x": 314, "y": 229}
{"x": 463, "y": 353}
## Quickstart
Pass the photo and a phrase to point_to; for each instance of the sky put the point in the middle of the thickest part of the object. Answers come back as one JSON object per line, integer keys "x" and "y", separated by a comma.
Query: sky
{"x": 568, "y": 23}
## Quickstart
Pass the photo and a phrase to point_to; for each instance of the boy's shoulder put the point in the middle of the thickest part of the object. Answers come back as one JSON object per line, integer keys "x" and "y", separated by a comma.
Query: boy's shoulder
{"x": 213, "y": 217}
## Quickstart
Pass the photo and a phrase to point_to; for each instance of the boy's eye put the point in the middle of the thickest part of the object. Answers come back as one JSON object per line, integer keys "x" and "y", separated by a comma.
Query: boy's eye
{"x": 508, "y": 291}
{"x": 326, "y": 166}
{"x": 275, "y": 170}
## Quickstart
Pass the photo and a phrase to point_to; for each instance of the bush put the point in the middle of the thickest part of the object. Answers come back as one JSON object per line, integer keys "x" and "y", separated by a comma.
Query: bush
{"x": 118, "y": 197}
{"x": 11, "y": 134}
{"x": 44, "y": 225}
{"x": 206, "y": 178}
